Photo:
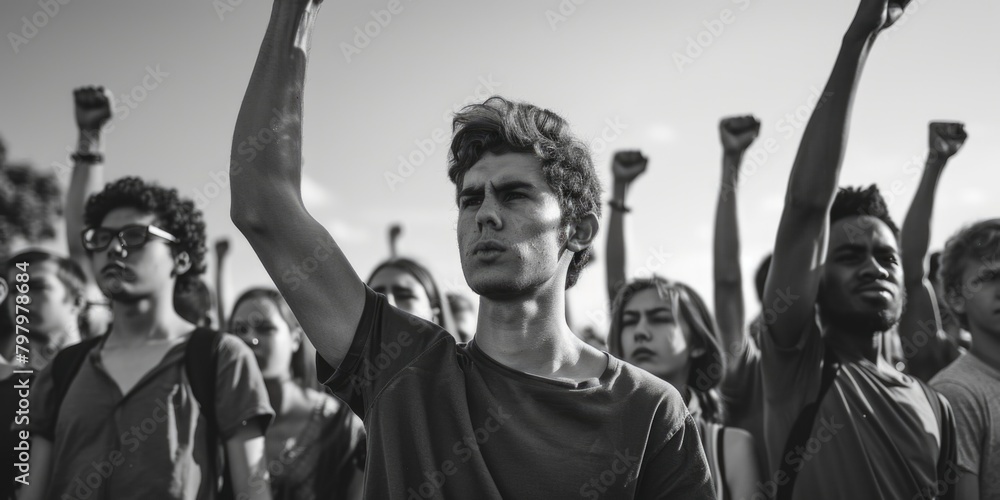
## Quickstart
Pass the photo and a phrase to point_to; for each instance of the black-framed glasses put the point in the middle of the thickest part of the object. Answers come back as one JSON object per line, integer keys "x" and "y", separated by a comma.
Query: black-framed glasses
{"x": 98, "y": 238}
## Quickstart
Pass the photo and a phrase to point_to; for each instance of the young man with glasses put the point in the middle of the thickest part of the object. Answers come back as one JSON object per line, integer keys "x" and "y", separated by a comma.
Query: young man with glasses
{"x": 129, "y": 423}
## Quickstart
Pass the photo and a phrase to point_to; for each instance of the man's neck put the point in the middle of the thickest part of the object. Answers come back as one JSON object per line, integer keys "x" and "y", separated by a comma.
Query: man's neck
{"x": 853, "y": 345}
{"x": 531, "y": 336}
{"x": 146, "y": 319}
{"x": 986, "y": 348}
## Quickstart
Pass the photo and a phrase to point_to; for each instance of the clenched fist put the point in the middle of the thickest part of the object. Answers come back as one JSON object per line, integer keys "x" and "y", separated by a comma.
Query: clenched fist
{"x": 93, "y": 107}
{"x": 946, "y": 138}
{"x": 738, "y": 133}
{"x": 221, "y": 248}
{"x": 627, "y": 165}
{"x": 874, "y": 16}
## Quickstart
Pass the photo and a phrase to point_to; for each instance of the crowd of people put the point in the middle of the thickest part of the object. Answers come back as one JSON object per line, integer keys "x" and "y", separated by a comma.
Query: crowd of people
{"x": 872, "y": 371}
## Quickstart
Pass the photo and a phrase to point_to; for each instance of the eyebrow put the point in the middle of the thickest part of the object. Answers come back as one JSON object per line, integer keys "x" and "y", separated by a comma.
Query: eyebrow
{"x": 655, "y": 310}
{"x": 500, "y": 187}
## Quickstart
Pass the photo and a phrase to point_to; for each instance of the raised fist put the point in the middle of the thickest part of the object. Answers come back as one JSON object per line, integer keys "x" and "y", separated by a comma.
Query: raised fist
{"x": 93, "y": 107}
{"x": 221, "y": 247}
{"x": 946, "y": 138}
{"x": 738, "y": 132}
{"x": 627, "y": 165}
{"x": 874, "y": 16}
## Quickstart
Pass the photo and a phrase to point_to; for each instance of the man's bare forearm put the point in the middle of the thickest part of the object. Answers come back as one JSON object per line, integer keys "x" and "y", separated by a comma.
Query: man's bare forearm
{"x": 267, "y": 143}
{"x": 815, "y": 173}
{"x": 916, "y": 233}
{"x": 727, "y": 272}
{"x": 615, "y": 249}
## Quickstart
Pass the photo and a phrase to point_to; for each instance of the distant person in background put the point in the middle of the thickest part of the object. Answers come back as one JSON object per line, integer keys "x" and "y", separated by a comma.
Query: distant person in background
{"x": 970, "y": 277}
{"x": 315, "y": 446}
{"x": 410, "y": 286}
{"x": 742, "y": 388}
{"x": 465, "y": 315}
{"x": 665, "y": 328}
{"x": 196, "y": 304}
{"x": 926, "y": 347}
{"x": 51, "y": 306}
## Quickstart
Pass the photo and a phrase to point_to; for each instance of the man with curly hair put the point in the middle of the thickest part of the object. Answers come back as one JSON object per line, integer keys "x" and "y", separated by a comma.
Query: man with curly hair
{"x": 840, "y": 421}
{"x": 129, "y": 425}
{"x": 524, "y": 410}
{"x": 970, "y": 277}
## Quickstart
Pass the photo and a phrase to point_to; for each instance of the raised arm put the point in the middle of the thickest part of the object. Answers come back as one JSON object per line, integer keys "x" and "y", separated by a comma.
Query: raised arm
{"x": 800, "y": 248}
{"x": 265, "y": 179}
{"x": 920, "y": 313}
{"x": 221, "y": 280}
{"x": 737, "y": 134}
{"x": 92, "y": 111}
{"x": 626, "y": 166}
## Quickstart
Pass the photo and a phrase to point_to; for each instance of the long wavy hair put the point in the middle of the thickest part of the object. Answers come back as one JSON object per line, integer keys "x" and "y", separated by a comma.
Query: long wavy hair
{"x": 707, "y": 369}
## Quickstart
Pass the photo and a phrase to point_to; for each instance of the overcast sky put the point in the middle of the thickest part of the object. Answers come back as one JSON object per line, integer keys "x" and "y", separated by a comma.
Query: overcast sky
{"x": 626, "y": 74}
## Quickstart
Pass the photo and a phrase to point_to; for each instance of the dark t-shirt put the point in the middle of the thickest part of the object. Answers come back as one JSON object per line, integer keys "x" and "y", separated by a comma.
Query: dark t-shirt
{"x": 446, "y": 421}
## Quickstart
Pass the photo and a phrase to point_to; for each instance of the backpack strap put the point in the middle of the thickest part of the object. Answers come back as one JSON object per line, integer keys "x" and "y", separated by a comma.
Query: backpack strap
{"x": 802, "y": 428}
{"x": 201, "y": 357}
{"x": 65, "y": 366}
{"x": 947, "y": 454}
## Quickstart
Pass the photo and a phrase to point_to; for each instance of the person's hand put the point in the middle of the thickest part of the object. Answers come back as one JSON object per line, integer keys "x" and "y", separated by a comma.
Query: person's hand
{"x": 946, "y": 139}
{"x": 93, "y": 108}
{"x": 627, "y": 165}
{"x": 874, "y": 16}
{"x": 738, "y": 133}
{"x": 221, "y": 248}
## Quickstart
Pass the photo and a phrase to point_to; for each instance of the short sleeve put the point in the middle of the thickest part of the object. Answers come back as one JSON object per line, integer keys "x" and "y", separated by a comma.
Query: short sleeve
{"x": 679, "y": 469}
{"x": 386, "y": 342}
{"x": 738, "y": 388}
{"x": 791, "y": 375}
{"x": 969, "y": 425}
{"x": 240, "y": 394}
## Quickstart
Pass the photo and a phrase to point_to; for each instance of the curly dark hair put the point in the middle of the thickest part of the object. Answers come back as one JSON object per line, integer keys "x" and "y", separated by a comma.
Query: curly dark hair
{"x": 857, "y": 201}
{"x": 978, "y": 243}
{"x": 500, "y": 126}
{"x": 178, "y": 216}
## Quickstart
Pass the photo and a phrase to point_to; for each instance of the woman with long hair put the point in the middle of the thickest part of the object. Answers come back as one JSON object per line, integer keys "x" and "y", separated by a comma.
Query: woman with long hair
{"x": 409, "y": 286}
{"x": 665, "y": 328}
{"x": 315, "y": 446}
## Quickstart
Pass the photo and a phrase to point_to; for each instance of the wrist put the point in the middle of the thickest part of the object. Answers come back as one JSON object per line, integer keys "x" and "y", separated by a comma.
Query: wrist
{"x": 620, "y": 189}
{"x": 618, "y": 205}
{"x": 936, "y": 160}
{"x": 88, "y": 141}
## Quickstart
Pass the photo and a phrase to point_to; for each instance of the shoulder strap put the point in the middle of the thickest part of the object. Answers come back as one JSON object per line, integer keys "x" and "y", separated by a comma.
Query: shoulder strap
{"x": 65, "y": 366}
{"x": 947, "y": 454}
{"x": 720, "y": 453}
{"x": 799, "y": 434}
{"x": 200, "y": 362}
